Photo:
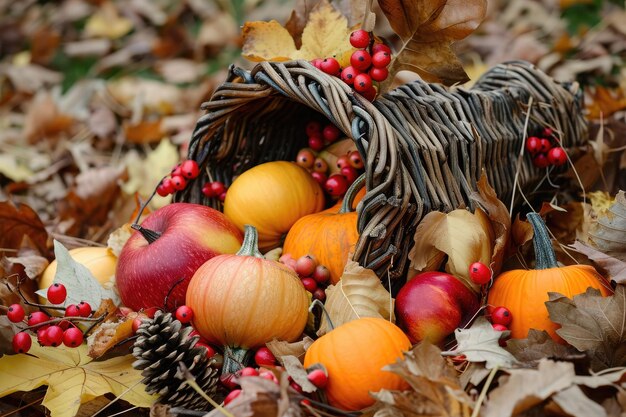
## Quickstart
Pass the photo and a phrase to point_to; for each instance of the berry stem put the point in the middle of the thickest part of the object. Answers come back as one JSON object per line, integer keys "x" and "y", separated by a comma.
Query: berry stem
{"x": 145, "y": 204}
{"x": 29, "y": 303}
{"x": 70, "y": 319}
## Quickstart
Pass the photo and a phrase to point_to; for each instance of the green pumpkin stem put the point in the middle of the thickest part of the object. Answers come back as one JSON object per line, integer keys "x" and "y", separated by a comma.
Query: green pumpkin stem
{"x": 250, "y": 245}
{"x": 235, "y": 359}
{"x": 355, "y": 187}
{"x": 544, "y": 253}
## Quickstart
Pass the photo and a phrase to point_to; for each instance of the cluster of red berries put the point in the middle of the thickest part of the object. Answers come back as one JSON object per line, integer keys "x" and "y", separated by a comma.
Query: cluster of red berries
{"x": 314, "y": 276}
{"x": 215, "y": 189}
{"x": 367, "y": 64}
{"x": 545, "y": 149}
{"x": 178, "y": 178}
{"x": 501, "y": 318}
{"x": 50, "y": 331}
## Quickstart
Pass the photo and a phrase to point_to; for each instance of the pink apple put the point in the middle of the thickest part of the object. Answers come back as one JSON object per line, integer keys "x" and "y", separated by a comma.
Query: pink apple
{"x": 183, "y": 236}
{"x": 432, "y": 305}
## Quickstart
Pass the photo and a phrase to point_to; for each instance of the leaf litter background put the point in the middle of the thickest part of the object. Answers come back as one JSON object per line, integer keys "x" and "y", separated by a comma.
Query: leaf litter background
{"x": 98, "y": 100}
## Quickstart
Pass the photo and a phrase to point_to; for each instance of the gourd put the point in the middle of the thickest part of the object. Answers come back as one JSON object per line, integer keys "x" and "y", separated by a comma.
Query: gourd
{"x": 524, "y": 292}
{"x": 329, "y": 235}
{"x": 243, "y": 301}
{"x": 354, "y": 355}
{"x": 100, "y": 261}
{"x": 272, "y": 197}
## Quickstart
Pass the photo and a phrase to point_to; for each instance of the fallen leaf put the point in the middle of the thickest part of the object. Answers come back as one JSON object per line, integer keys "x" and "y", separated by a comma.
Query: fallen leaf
{"x": 72, "y": 377}
{"x": 480, "y": 343}
{"x": 34, "y": 264}
{"x": 296, "y": 371}
{"x": 180, "y": 70}
{"x": 615, "y": 268}
{"x": 427, "y": 29}
{"x": 608, "y": 234}
{"x": 117, "y": 239}
{"x": 145, "y": 131}
{"x": 107, "y": 23}
{"x": 359, "y": 293}
{"x": 575, "y": 403}
{"x": 110, "y": 333}
{"x": 326, "y": 34}
{"x": 521, "y": 232}
{"x": 538, "y": 345}
{"x": 281, "y": 348}
{"x": 17, "y": 221}
{"x": 465, "y": 237}
{"x": 593, "y": 324}
{"x": 604, "y": 102}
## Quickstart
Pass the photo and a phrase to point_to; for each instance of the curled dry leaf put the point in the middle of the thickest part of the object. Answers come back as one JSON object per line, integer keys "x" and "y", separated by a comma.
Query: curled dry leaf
{"x": 18, "y": 221}
{"x": 359, "y": 293}
{"x": 608, "y": 234}
{"x": 539, "y": 345}
{"x": 521, "y": 232}
{"x": 281, "y": 348}
{"x": 326, "y": 34}
{"x": 297, "y": 372}
{"x": 32, "y": 261}
{"x": 109, "y": 334}
{"x": 593, "y": 324}
{"x": 463, "y": 236}
{"x": 615, "y": 269}
{"x": 427, "y": 29}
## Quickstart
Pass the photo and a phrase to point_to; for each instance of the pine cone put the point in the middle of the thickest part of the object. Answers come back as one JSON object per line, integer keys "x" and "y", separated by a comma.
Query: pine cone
{"x": 163, "y": 343}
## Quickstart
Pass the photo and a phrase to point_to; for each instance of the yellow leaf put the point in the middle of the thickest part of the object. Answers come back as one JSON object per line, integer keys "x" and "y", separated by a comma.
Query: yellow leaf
{"x": 325, "y": 35}
{"x": 72, "y": 377}
{"x": 107, "y": 23}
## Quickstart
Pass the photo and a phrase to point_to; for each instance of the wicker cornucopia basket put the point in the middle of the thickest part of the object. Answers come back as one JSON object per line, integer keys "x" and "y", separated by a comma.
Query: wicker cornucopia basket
{"x": 424, "y": 145}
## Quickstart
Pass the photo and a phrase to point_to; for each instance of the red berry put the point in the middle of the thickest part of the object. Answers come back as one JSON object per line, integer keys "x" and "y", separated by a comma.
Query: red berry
{"x": 151, "y": 311}
{"x": 362, "y": 83}
{"x": 318, "y": 378}
{"x": 168, "y": 185}
{"x": 305, "y": 402}
{"x": 229, "y": 380}
{"x": 360, "y": 38}
{"x": 378, "y": 74}
{"x": 56, "y": 293}
{"x": 343, "y": 161}
{"x": 305, "y": 158}
{"x": 190, "y": 169}
{"x": 317, "y": 63}
{"x": 42, "y": 336}
{"x": 331, "y": 133}
{"x": 533, "y": 144}
{"x": 305, "y": 265}
{"x": 320, "y": 177}
{"x": 179, "y": 182}
{"x": 137, "y": 323}
{"x": 184, "y": 314}
{"x": 316, "y": 143}
{"x": 37, "y": 317}
{"x": 380, "y": 47}
{"x": 248, "y": 371}
{"x": 269, "y": 376}
{"x": 355, "y": 160}
{"x": 73, "y": 337}
{"x": 176, "y": 170}
{"x": 319, "y": 294}
{"x": 544, "y": 145}
{"x": 499, "y": 327}
{"x": 321, "y": 274}
{"x": 84, "y": 309}
{"x": 22, "y": 342}
{"x": 72, "y": 310}
{"x": 309, "y": 284}
{"x": 296, "y": 387}
{"x": 479, "y": 273}
{"x": 232, "y": 395}
{"x": 291, "y": 263}
{"x": 264, "y": 357}
{"x": 207, "y": 190}
{"x": 360, "y": 60}
{"x": 381, "y": 59}
{"x": 222, "y": 197}
{"x": 370, "y": 94}
{"x": 541, "y": 161}
{"x": 336, "y": 185}
{"x": 16, "y": 313}
{"x": 320, "y": 165}
{"x": 313, "y": 128}
{"x": 348, "y": 74}
{"x": 218, "y": 187}
{"x": 547, "y": 132}
{"x": 54, "y": 334}
{"x": 557, "y": 156}
{"x": 330, "y": 66}
{"x": 64, "y": 324}
{"x": 160, "y": 190}
{"x": 350, "y": 173}
{"x": 501, "y": 315}
{"x": 210, "y": 351}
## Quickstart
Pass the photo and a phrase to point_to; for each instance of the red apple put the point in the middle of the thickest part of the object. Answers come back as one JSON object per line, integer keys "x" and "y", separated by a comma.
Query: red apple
{"x": 432, "y": 305}
{"x": 169, "y": 246}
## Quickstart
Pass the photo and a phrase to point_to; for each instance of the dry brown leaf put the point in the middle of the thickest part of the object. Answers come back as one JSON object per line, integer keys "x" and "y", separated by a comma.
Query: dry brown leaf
{"x": 359, "y": 293}
{"x": 615, "y": 268}
{"x": 281, "y": 348}
{"x": 539, "y": 345}
{"x": 18, "y": 221}
{"x": 605, "y": 102}
{"x": 110, "y": 334}
{"x": 465, "y": 237}
{"x": 296, "y": 371}
{"x": 326, "y": 34}
{"x": 146, "y": 131}
{"x": 427, "y": 29}
{"x": 575, "y": 403}
{"x": 608, "y": 234}
{"x": 33, "y": 263}
{"x": 44, "y": 119}
{"x": 521, "y": 232}
{"x": 107, "y": 23}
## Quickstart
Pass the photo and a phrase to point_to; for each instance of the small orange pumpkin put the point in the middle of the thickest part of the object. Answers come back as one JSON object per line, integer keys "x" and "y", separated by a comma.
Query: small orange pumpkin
{"x": 243, "y": 301}
{"x": 354, "y": 355}
{"x": 329, "y": 235}
{"x": 524, "y": 292}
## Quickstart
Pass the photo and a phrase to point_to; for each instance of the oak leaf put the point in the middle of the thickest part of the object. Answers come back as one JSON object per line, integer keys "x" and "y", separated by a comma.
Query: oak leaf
{"x": 326, "y": 34}
{"x": 72, "y": 377}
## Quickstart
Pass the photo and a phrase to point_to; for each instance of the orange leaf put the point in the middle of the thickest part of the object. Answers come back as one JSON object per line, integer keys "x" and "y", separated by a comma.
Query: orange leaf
{"x": 605, "y": 102}
{"x": 144, "y": 131}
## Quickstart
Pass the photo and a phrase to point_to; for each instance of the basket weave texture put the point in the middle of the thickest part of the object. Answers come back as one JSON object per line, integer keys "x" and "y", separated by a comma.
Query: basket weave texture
{"x": 424, "y": 145}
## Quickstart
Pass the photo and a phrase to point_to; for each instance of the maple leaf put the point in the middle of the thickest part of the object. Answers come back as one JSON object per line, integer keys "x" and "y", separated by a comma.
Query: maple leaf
{"x": 326, "y": 34}
{"x": 17, "y": 221}
{"x": 72, "y": 377}
{"x": 539, "y": 345}
{"x": 427, "y": 29}
{"x": 593, "y": 324}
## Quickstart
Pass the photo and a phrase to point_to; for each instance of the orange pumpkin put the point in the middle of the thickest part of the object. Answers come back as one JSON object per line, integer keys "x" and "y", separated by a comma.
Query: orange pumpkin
{"x": 354, "y": 355}
{"x": 524, "y": 292}
{"x": 243, "y": 301}
{"x": 272, "y": 197}
{"x": 329, "y": 236}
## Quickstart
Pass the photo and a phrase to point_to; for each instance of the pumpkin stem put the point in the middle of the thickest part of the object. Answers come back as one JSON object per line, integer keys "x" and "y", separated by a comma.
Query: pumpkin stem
{"x": 235, "y": 359}
{"x": 150, "y": 235}
{"x": 544, "y": 253}
{"x": 355, "y": 187}
{"x": 250, "y": 245}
